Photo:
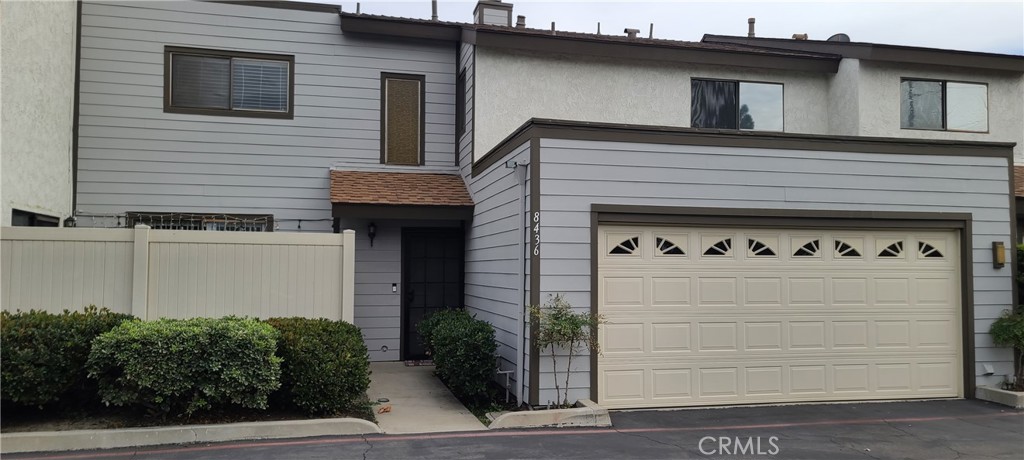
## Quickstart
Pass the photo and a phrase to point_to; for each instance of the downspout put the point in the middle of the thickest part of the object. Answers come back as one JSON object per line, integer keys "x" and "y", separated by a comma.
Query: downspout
{"x": 520, "y": 170}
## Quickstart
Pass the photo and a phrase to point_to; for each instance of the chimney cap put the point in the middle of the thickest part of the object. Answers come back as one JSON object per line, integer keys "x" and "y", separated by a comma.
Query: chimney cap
{"x": 631, "y": 32}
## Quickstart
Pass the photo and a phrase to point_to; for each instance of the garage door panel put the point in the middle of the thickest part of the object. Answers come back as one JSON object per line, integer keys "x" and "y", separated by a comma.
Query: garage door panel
{"x": 670, "y": 291}
{"x": 765, "y": 316}
{"x": 716, "y": 292}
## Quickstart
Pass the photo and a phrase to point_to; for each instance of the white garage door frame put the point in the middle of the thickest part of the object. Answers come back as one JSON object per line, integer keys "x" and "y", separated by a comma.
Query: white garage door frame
{"x": 603, "y": 214}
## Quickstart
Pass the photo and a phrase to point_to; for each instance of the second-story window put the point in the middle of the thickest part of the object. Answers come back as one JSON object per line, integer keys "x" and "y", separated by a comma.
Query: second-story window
{"x": 727, "y": 104}
{"x": 402, "y": 123}
{"x": 943, "y": 105}
{"x": 213, "y": 82}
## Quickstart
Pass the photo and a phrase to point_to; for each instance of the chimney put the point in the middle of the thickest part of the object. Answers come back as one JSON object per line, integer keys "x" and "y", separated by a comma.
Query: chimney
{"x": 632, "y": 32}
{"x": 799, "y": 36}
{"x": 750, "y": 27}
{"x": 493, "y": 13}
{"x": 520, "y": 22}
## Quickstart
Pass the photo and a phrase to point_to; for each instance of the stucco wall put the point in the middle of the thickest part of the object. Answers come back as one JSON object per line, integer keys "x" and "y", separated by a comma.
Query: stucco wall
{"x": 879, "y": 88}
{"x": 844, "y": 99}
{"x": 514, "y": 87}
{"x": 37, "y": 40}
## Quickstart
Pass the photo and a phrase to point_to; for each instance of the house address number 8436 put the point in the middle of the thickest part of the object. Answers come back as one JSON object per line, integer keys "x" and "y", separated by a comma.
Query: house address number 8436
{"x": 536, "y": 233}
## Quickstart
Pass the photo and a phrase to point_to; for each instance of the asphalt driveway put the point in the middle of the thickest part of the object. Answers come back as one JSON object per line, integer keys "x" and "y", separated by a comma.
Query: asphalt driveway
{"x": 914, "y": 430}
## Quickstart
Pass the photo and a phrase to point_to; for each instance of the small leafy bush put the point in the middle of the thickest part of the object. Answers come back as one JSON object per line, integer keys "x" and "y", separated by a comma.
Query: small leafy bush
{"x": 1008, "y": 331}
{"x": 325, "y": 368}
{"x": 174, "y": 367}
{"x": 559, "y": 327}
{"x": 463, "y": 350}
{"x": 44, "y": 354}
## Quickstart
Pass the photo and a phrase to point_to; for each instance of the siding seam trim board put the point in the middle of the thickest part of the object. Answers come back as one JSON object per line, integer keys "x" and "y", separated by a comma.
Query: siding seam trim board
{"x": 534, "y": 270}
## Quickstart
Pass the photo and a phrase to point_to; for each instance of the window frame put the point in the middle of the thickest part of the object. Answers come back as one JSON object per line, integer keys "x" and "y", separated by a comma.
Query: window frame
{"x": 738, "y": 104}
{"x": 422, "y": 79}
{"x": 460, "y": 106}
{"x": 945, "y": 105}
{"x": 229, "y": 112}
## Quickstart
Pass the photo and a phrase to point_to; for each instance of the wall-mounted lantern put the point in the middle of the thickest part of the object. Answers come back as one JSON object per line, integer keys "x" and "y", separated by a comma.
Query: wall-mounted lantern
{"x": 998, "y": 254}
{"x": 371, "y": 232}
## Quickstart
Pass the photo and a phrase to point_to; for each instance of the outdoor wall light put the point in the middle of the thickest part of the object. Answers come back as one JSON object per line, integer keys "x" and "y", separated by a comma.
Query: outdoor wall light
{"x": 371, "y": 232}
{"x": 998, "y": 254}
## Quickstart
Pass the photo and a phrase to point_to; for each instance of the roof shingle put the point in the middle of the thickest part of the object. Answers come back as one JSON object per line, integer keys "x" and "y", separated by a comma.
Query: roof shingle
{"x": 399, "y": 188}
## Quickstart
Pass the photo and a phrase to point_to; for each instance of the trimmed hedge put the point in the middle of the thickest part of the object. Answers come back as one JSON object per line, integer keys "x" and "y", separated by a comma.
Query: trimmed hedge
{"x": 173, "y": 366}
{"x": 326, "y": 366}
{"x": 463, "y": 350}
{"x": 44, "y": 354}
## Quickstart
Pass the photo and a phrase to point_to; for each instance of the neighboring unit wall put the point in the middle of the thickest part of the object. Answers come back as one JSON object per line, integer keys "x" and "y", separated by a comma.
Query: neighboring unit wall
{"x": 577, "y": 174}
{"x": 136, "y": 157}
{"x": 603, "y": 90}
{"x": 38, "y": 48}
{"x": 880, "y": 102}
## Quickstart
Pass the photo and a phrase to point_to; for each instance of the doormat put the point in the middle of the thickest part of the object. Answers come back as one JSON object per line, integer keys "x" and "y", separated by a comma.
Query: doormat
{"x": 419, "y": 362}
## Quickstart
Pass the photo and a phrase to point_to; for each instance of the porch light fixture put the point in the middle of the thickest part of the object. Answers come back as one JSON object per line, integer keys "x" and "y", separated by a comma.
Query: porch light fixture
{"x": 371, "y": 232}
{"x": 998, "y": 254}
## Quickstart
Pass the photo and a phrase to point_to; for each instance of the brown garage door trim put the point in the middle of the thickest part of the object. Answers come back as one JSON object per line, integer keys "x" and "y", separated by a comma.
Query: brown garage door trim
{"x": 797, "y": 218}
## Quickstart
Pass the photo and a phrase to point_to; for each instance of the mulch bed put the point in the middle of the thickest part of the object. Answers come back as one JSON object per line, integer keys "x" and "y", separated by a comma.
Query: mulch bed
{"x": 16, "y": 419}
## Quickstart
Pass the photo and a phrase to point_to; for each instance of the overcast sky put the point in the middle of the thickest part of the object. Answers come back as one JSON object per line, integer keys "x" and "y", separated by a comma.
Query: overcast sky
{"x": 995, "y": 27}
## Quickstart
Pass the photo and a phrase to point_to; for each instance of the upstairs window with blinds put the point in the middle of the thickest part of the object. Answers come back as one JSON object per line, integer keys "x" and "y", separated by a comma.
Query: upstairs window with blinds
{"x": 211, "y": 82}
{"x": 402, "y": 119}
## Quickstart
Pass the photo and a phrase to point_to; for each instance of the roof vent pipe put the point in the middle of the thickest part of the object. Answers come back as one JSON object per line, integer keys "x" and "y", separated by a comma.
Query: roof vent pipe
{"x": 433, "y": 10}
{"x": 632, "y": 32}
{"x": 750, "y": 27}
{"x": 599, "y": 28}
{"x": 651, "y": 35}
{"x": 520, "y": 22}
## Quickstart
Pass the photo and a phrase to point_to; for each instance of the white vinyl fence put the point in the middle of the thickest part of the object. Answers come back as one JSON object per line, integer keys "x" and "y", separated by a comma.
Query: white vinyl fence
{"x": 178, "y": 274}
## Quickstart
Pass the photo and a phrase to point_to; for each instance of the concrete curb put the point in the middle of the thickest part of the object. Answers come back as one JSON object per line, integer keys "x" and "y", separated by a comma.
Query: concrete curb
{"x": 182, "y": 434}
{"x": 586, "y": 413}
{"x": 1014, "y": 399}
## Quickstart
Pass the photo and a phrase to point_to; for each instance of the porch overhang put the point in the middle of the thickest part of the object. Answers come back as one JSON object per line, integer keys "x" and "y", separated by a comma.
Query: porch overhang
{"x": 399, "y": 195}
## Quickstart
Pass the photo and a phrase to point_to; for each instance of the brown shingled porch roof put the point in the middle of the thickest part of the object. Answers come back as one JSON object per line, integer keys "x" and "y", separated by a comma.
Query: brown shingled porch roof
{"x": 399, "y": 195}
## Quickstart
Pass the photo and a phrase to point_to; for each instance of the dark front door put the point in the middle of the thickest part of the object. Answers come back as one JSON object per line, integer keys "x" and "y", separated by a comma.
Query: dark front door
{"x": 431, "y": 280}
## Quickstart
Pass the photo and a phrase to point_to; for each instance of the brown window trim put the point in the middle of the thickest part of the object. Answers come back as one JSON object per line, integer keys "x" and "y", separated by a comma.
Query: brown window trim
{"x": 384, "y": 76}
{"x": 945, "y": 106}
{"x": 460, "y": 106}
{"x": 168, "y": 108}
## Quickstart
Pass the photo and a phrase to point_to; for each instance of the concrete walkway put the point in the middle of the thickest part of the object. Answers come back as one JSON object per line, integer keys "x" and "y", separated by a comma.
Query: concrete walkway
{"x": 420, "y": 403}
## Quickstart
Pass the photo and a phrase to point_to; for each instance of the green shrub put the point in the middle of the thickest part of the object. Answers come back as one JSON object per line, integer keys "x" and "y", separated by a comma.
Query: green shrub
{"x": 174, "y": 366}
{"x": 463, "y": 351}
{"x": 44, "y": 354}
{"x": 559, "y": 327}
{"x": 325, "y": 368}
{"x": 1008, "y": 331}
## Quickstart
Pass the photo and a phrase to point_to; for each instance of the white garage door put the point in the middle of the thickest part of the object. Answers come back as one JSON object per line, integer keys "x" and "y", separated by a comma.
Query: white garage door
{"x": 704, "y": 316}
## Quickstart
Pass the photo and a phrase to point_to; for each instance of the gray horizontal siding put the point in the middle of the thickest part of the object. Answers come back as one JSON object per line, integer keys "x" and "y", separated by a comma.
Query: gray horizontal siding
{"x": 135, "y": 157}
{"x": 378, "y": 311}
{"x": 577, "y": 174}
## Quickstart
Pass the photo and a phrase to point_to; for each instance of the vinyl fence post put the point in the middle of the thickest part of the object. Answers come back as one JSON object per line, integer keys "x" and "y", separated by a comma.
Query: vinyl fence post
{"x": 348, "y": 276}
{"x": 140, "y": 273}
